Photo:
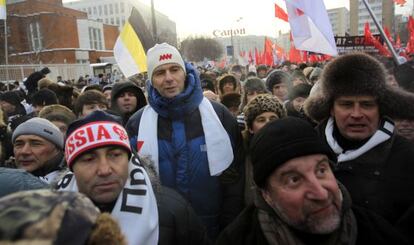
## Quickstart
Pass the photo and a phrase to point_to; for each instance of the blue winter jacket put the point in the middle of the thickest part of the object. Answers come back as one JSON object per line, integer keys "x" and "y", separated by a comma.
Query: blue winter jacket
{"x": 183, "y": 163}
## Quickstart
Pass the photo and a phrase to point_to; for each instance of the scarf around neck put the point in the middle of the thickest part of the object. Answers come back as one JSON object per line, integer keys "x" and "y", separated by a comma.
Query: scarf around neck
{"x": 182, "y": 104}
{"x": 277, "y": 232}
{"x": 136, "y": 207}
{"x": 383, "y": 133}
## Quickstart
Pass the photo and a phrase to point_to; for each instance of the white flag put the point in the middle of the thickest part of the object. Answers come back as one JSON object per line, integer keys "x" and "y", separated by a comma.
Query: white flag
{"x": 310, "y": 26}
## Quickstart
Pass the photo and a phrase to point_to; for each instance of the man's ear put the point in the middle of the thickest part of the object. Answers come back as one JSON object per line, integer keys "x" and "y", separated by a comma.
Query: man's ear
{"x": 266, "y": 196}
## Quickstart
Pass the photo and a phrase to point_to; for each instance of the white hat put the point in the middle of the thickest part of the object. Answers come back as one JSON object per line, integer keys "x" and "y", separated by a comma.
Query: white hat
{"x": 162, "y": 54}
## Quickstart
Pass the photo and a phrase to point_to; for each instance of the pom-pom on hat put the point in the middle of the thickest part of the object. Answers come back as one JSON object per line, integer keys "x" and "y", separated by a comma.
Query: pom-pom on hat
{"x": 98, "y": 129}
{"x": 162, "y": 54}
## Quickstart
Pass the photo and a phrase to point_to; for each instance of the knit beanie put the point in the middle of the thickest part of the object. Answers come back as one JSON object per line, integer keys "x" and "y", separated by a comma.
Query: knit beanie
{"x": 44, "y": 97}
{"x": 42, "y": 128}
{"x": 254, "y": 84}
{"x": 281, "y": 140}
{"x": 162, "y": 54}
{"x": 260, "y": 104}
{"x": 300, "y": 90}
{"x": 95, "y": 130}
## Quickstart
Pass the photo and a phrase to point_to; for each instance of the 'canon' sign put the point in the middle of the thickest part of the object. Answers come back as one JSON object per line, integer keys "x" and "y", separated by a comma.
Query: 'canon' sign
{"x": 228, "y": 33}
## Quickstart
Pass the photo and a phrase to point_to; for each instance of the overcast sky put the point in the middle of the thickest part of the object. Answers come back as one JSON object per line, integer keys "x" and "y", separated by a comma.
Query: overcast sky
{"x": 202, "y": 17}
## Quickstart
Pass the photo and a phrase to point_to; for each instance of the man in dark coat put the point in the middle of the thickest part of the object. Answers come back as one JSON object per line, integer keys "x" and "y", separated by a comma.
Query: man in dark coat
{"x": 107, "y": 170}
{"x": 298, "y": 200}
{"x": 353, "y": 104}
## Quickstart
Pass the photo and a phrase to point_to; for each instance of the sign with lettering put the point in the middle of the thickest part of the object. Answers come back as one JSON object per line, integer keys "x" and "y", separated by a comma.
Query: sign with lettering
{"x": 347, "y": 44}
{"x": 229, "y": 33}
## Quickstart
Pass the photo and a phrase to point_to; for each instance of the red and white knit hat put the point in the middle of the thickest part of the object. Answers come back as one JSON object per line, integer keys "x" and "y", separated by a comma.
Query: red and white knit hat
{"x": 95, "y": 130}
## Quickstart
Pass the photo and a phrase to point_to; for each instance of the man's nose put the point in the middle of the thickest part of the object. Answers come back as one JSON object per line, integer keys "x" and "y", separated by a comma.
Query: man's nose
{"x": 356, "y": 111}
{"x": 104, "y": 168}
{"x": 316, "y": 190}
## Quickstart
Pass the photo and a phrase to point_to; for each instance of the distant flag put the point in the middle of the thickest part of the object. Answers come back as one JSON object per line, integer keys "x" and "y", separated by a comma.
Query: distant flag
{"x": 132, "y": 44}
{"x": 371, "y": 40}
{"x": 280, "y": 13}
{"x": 400, "y": 2}
{"x": 3, "y": 12}
{"x": 268, "y": 52}
{"x": 310, "y": 26}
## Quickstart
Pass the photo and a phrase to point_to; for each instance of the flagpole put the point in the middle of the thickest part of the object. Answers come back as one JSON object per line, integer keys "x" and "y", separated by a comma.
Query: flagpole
{"x": 154, "y": 23}
{"x": 384, "y": 37}
{"x": 6, "y": 53}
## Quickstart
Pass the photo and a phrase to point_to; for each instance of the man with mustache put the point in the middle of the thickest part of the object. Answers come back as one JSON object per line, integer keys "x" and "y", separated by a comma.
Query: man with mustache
{"x": 354, "y": 106}
{"x": 298, "y": 200}
{"x": 105, "y": 169}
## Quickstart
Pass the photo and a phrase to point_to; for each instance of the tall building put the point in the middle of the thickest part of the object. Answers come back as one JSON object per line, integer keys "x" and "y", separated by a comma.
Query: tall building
{"x": 359, "y": 15}
{"x": 116, "y": 12}
{"x": 44, "y": 31}
{"x": 339, "y": 18}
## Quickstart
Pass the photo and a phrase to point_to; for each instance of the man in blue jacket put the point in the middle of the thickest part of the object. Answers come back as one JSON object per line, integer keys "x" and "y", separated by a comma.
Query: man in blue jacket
{"x": 195, "y": 143}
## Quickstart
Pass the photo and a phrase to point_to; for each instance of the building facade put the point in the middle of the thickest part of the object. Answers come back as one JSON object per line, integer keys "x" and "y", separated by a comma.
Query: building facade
{"x": 359, "y": 15}
{"x": 339, "y": 18}
{"x": 116, "y": 12}
{"x": 44, "y": 31}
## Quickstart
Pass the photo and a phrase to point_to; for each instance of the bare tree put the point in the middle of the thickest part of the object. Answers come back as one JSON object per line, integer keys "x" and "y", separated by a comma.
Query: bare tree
{"x": 196, "y": 49}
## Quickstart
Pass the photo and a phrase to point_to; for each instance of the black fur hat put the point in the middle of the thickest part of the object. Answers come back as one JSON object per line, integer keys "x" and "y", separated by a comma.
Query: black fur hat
{"x": 357, "y": 74}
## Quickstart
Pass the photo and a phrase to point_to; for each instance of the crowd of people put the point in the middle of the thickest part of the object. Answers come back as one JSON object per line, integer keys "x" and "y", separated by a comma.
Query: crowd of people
{"x": 291, "y": 154}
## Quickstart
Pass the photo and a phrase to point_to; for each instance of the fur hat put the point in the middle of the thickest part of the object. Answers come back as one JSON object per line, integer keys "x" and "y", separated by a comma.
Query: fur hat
{"x": 254, "y": 84}
{"x": 276, "y": 77}
{"x": 52, "y": 217}
{"x": 43, "y": 83}
{"x": 281, "y": 140}
{"x": 162, "y": 54}
{"x": 227, "y": 78}
{"x": 231, "y": 100}
{"x": 357, "y": 74}
{"x": 57, "y": 113}
{"x": 103, "y": 129}
{"x": 260, "y": 104}
{"x": 44, "y": 97}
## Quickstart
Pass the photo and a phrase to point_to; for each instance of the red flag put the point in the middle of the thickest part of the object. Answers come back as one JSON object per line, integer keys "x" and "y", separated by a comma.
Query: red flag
{"x": 387, "y": 33}
{"x": 294, "y": 54}
{"x": 251, "y": 60}
{"x": 370, "y": 40}
{"x": 398, "y": 42}
{"x": 410, "y": 42}
{"x": 280, "y": 13}
{"x": 268, "y": 52}
{"x": 257, "y": 56}
{"x": 400, "y": 2}
{"x": 305, "y": 56}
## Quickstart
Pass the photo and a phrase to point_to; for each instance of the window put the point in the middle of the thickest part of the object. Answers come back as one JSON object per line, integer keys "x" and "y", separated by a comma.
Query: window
{"x": 94, "y": 10}
{"x": 89, "y": 10}
{"x": 100, "y": 10}
{"x": 112, "y": 21}
{"x": 122, "y": 7}
{"x": 111, "y": 10}
{"x": 117, "y": 21}
{"x": 106, "y": 9}
{"x": 116, "y": 8}
{"x": 35, "y": 36}
{"x": 95, "y": 38}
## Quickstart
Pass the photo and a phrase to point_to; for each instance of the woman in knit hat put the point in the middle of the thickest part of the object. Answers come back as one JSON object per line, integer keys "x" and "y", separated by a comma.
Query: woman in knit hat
{"x": 257, "y": 113}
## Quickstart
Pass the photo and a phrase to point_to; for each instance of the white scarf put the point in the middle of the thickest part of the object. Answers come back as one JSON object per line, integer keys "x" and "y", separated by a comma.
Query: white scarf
{"x": 136, "y": 207}
{"x": 218, "y": 144}
{"x": 380, "y": 136}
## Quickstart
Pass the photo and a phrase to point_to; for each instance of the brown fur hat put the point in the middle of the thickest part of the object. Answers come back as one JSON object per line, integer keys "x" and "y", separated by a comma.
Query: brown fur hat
{"x": 260, "y": 104}
{"x": 357, "y": 74}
